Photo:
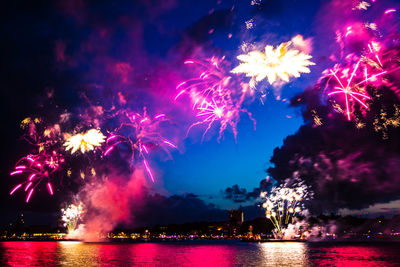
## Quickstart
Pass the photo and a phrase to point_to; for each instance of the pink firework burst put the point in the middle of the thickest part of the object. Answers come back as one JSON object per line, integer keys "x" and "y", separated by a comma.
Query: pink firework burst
{"x": 142, "y": 134}
{"x": 351, "y": 81}
{"x": 210, "y": 81}
{"x": 363, "y": 72}
{"x": 348, "y": 91}
{"x": 216, "y": 95}
{"x": 37, "y": 168}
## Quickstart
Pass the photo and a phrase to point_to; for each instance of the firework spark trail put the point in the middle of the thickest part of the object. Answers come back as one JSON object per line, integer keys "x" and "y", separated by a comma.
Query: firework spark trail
{"x": 149, "y": 172}
{"x": 274, "y": 64}
{"x": 50, "y": 188}
{"x": 374, "y": 49}
{"x": 216, "y": 96}
{"x": 37, "y": 167}
{"x": 391, "y": 10}
{"x": 142, "y": 132}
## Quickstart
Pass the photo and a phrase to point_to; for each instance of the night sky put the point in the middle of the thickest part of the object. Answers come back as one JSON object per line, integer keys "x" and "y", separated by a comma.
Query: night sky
{"x": 60, "y": 56}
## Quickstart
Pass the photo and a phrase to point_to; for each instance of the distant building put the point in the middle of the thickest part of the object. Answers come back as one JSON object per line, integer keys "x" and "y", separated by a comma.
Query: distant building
{"x": 235, "y": 221}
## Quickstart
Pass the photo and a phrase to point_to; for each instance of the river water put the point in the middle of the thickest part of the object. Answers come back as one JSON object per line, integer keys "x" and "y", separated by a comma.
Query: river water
{"x": 198, "y": 253}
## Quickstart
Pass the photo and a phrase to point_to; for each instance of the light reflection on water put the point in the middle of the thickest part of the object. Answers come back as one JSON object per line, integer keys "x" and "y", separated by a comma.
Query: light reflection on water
{"x": 197, "y": 253}
{"x": 284, "y": 254}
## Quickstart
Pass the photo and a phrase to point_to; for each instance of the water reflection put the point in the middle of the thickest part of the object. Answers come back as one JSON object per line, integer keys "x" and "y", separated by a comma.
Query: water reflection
{"x": 224, "y": 253}
{"x": 284, "y": 253}
{"x": 78, "y": 254}
{"x": 85, "y": 254}
{"x": 28, "y": 253}
{"x": 356, "y": 255}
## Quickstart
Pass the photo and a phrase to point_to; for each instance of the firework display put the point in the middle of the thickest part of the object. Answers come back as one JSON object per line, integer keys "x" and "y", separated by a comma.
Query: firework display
{"x": 282, "y": 204}
{"x": 71, "y": 216}
{"x": 122, "y": 127}
{"x": 274, "y": 64}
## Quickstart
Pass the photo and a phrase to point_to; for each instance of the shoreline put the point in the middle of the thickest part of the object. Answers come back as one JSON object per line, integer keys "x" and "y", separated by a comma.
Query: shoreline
{"x": 316, "y": 242}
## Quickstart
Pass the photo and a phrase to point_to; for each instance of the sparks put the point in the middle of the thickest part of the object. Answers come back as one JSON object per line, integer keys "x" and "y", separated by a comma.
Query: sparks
{"x": 390, "y": 11}
{"x": 108, "y": 150}
{"x": 20, "y": 167}
{"x": 50, "y": 188}
{"x": 146, "y": 165}
{"x": 27, "y": 186}
{"x": 29, "y": 195}
{"x": 165, "y": 142}
{"x": 159, "y": 116}
{"x": 145, "y": 149}
{"x": 111, "y": 138}
{"x": 15, "y": 189}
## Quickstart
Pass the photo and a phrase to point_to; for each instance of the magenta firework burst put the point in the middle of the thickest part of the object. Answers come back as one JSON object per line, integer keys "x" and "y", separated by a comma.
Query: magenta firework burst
{"x": 349, "y": 82}
{"x": 37, "y": 168}
{"x": 142, "y": 135}
{"x": 216, "y": 95}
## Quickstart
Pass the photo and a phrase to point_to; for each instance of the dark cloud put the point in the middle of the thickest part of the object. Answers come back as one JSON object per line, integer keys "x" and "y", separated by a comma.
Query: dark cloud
{"x": 237, "y": 194}
{"x": 240, "y": 195}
